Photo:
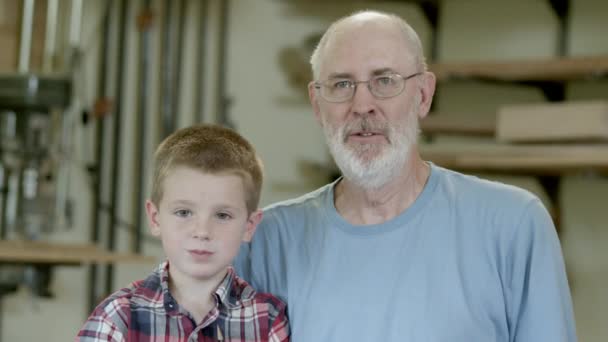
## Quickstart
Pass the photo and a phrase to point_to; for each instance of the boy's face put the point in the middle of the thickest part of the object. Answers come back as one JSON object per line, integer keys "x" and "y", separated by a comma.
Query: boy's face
{"x": 202, "y": 220}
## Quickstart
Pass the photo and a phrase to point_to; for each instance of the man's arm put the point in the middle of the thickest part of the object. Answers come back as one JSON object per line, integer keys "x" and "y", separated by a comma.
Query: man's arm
{"x": 262, "y": 262}
{"x": 539, "y": 306}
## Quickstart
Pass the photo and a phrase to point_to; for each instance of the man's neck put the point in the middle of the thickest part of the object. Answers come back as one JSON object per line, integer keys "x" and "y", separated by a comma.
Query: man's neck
{"x": 365, "y": 207}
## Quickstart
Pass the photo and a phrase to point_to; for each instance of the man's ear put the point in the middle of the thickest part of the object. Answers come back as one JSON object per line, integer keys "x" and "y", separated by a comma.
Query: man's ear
{"x": 314, "y": 100}
{"x": 251, "y": 225}
{"x": 152, "y": 213}
{"x": 427, "y": 90}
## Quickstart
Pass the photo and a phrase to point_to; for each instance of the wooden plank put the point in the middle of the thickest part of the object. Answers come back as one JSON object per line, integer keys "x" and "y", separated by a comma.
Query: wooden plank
{"x": 550, "y": 122}
{"x": 18, "y": 251}
{"x": 443, "y": 124}
{"x": 528, "y": 159}
{"x": 558, "y": 69}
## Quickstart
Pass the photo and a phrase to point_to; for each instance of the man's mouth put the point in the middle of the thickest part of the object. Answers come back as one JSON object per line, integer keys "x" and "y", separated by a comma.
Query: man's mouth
{"x": 365, "y": 134}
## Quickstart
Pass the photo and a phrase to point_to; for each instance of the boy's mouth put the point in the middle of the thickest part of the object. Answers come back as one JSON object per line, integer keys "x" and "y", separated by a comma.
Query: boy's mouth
{"x": 200, "y": 252}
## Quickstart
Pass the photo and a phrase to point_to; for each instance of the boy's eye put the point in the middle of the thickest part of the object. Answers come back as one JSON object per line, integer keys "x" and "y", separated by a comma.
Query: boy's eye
{"x": 183, "y": 213}
{"x": 223, "y": 216}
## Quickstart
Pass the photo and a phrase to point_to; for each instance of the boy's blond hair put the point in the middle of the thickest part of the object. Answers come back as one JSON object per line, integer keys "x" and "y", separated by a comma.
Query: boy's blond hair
{"x": 209, "y": 149}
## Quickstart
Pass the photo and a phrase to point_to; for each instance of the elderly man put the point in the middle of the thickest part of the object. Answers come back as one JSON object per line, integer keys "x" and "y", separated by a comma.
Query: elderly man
{"x": 400, "y": 249}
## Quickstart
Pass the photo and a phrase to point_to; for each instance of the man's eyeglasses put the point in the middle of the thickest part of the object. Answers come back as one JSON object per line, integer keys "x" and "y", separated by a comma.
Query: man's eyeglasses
{"x": 381, "y": 86}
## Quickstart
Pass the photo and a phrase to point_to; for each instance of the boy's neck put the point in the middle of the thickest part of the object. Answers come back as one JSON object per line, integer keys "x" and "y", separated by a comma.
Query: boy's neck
{"x": 196, "y": 296}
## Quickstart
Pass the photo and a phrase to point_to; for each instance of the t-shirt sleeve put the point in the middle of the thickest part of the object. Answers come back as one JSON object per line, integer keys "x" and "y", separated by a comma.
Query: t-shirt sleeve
{"x": 263, "y": 261}
{"x": 242, "y": 262}
{"x": 539, "y": 305}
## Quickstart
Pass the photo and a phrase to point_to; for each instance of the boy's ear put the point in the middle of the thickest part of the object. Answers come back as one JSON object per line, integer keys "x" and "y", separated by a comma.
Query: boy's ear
{"x": 152, "y": 213}
{"x": 252, "y": 223}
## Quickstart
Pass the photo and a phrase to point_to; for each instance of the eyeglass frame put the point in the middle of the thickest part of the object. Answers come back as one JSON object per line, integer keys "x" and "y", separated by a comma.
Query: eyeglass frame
{"x": 318, "y": 84}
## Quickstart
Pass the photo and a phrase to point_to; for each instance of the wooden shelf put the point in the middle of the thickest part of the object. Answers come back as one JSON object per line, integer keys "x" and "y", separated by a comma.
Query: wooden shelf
{"x": 18, "y": 251}
{"x": 557, "y": 69}
{"x": 528, "y": 159}
{"x": 440, "y": 124}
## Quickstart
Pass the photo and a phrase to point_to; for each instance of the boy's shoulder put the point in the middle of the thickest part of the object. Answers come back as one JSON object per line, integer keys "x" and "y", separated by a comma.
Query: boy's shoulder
{"x": 244, "y": 296}
{"x": 138, "y": 294}
{"x": 111, "y": 319}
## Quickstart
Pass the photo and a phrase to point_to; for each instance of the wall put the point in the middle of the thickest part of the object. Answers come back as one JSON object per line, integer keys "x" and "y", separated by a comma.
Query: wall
{"x": 275, "y": 117}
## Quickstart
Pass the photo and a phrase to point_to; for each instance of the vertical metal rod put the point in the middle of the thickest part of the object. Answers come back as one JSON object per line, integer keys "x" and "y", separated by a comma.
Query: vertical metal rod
{"x": 100, "y": 128}
{"x": 75, "y": 66}
{"x": 199, "y": 112}
{"x": 178, "y": 65}
{"x": 167, "y": 72}
{"x": 140, "y": 128}
{"x": 26, "y": 36}
{"x": 116, "y": 140}
{"x": 3, "y": 198}
{"x": 75, "y": 23}
{"x": 1, "y": 310}
{"x": 431, "y": 10}
{"x": 223, "y": 101}
{"x": 50, "y": 34}
{"x": 562, "y": 9}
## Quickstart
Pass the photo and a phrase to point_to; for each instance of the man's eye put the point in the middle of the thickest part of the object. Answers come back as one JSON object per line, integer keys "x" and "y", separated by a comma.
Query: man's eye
{"x": 223, "y": 216}
{"x": 183, "y": 213}
{"x": 384, "y": 80}
{"x": 341, "y": 84}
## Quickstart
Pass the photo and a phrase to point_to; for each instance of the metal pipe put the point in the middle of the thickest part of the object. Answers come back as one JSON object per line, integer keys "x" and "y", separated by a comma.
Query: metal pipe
{"x": 50, "y": 34}
{"x": 26, "y": 36}
{"x": 223, "y": 117}
{"x": 100, "y": 128}
{"x": 199, "y": 112}
{"x": 3, "y": 197}
{"x": 140, "y": 129}
{"x": 75, "y": 23}
{"x": 63, "y": 204}
{"x": 562, "y": 9}
{"x": 178, "y": 65}
{"x": 167, "y": 72}
{"x": 116, "y": 140}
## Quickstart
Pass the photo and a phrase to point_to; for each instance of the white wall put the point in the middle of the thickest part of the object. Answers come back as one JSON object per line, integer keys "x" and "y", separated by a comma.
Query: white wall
{"x": 280, "y": 124}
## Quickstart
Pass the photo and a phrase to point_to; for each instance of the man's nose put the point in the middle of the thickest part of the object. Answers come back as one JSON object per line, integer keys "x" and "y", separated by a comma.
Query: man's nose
{"x": 363, "y": 99}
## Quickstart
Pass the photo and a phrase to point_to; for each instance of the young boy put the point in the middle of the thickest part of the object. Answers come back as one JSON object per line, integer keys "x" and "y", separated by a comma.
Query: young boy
{"x": 205, "y": 193}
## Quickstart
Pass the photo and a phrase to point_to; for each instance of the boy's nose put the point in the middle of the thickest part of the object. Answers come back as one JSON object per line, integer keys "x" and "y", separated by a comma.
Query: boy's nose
{"x": 201, "y": 230}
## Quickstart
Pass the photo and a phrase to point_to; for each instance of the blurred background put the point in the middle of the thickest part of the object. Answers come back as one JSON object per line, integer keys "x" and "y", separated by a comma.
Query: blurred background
{"x": 89, "y": 88}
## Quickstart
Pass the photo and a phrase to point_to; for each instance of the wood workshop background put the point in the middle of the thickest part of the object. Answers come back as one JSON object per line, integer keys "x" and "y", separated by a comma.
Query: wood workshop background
{"x": 88, "y": 88}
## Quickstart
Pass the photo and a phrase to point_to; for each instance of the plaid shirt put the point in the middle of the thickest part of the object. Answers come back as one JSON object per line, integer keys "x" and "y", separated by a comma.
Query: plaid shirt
{"x": 146, "y": 311}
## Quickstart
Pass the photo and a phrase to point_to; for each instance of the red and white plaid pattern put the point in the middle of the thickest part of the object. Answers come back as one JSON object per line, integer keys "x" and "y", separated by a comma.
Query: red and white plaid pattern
{"x": 146, "y": 311}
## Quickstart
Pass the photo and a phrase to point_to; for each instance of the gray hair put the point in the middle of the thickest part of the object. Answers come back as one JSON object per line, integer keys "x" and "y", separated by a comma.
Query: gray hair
{"x": 411, "y": 37}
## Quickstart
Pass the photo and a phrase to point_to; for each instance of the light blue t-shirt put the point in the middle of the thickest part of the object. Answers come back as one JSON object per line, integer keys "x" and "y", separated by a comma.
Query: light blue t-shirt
{"x": 471, "y": 260}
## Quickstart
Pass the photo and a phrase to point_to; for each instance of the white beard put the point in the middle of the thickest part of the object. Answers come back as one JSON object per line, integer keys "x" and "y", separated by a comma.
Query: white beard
{"x": 372, "y": 166}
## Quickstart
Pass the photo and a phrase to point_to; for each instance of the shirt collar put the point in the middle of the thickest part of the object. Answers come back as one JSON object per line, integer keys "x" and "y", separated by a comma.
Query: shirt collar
{"x": 233, "y": 292}
{"x": 222, "y": 293}
{"x": 230, "y": 293}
